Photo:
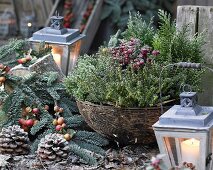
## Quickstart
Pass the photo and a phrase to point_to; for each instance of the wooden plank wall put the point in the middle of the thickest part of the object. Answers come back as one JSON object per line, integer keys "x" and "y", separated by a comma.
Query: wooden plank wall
{"x": 195, "y": 2}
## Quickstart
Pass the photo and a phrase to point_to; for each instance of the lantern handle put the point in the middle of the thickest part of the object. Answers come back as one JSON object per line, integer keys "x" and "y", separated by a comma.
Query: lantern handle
{"x": 186, "y": 88}
{"x": 179, "y": 65}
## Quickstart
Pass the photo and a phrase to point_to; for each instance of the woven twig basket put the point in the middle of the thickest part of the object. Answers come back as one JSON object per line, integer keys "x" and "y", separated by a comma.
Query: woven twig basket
{"x": 124, "y": 125}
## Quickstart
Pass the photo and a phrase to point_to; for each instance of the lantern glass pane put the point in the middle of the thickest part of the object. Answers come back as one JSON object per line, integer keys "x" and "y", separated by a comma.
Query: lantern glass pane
{"x": 171, "y": 148}
{"x": 182, "y": 150}
{"x": 74, "y": 53}
{"x": 57, "y": 52}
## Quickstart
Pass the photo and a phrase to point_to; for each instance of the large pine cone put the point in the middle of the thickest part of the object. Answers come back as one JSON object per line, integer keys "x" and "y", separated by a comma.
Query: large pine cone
{"x": 53, "y": 147}
{"x": 14, "y": 141}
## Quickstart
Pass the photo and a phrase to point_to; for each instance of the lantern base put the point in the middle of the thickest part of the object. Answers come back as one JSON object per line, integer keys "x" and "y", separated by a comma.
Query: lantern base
{"x": 202, "y": 119}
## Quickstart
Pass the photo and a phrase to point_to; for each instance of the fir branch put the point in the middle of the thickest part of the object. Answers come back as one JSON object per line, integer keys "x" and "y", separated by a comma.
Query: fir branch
{"x": 83, "y": 154}
{"x": 13, "y": 46}
{"x": 91, "y": 137}
{"x": 50, "y": 77}
{"x": 74, "y": 121}
{"x": 138, "y": 28}
{"x": 53, "y": 93}
{"x": 36, "y": 128}
{"x": 90, "y": 147}
{"x": 71, "y": 105}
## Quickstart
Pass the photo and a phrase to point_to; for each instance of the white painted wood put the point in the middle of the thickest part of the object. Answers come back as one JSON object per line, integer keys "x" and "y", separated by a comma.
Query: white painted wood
{"x": 178, "y": 148}
{"x": 202, "y": 136}
{"x": 169, "y": 150}
{"x": 162, "y": 148}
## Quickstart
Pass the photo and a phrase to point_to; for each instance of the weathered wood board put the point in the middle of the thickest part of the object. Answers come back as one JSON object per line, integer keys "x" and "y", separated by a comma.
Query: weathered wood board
{"x": 92, "y": 26}
{"x": 200, "y": 19}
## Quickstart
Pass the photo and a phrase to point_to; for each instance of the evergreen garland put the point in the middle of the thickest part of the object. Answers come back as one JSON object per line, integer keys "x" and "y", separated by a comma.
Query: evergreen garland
{"x": 17, "y": 51}
{"x": 38, "y": 91}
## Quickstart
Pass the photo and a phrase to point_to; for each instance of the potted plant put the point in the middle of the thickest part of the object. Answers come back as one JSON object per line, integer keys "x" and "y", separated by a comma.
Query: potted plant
{"x": 118, "y": 88}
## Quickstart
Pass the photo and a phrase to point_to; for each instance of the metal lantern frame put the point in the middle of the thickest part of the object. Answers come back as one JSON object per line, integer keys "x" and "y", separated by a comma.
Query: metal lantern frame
{"x": 66, "y": 41}
{"x": 185, "y": 132}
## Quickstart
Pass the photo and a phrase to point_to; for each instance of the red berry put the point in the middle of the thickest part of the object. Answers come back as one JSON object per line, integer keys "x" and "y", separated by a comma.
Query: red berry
{"x": 35, "y": 110}
{"x": 129, "y": 51}
{"x": 29, "y": 122}
{"x": 46, "y": 107}
{"x": 2, "y": 79}
{"x": 26, "y": 129}
{"x": 28, "y": 58}
{"x": 58, "y": 127}
{"x": 1, "y": 66}
{"x": 141, "y": 63}
{"x": 56, "y": 108}
{"x": 155, "y": 52}
{"x": 60, "y": 120}
{"x": 60, "y": 110}
{"x": 7, "y": 69}
{"x": 19, "y": 61}
{"x": 28, "y": 109}
{"x": 21, "y": 121}
{"x": 63, "y": 125}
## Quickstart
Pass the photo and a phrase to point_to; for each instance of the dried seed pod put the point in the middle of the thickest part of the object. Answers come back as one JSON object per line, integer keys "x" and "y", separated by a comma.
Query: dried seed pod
{"x": 14, "y": 141}
{"x": 53, "y": 147}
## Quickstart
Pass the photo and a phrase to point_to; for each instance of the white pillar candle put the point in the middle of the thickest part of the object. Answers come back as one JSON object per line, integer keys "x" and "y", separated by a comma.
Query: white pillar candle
{"x": 190, "y": 151}
{"x": 57, "y": 58}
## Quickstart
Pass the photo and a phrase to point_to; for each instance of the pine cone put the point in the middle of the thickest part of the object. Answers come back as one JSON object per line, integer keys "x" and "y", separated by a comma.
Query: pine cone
{"x": 14, "y": 141}
{"x": 53, "y": 147}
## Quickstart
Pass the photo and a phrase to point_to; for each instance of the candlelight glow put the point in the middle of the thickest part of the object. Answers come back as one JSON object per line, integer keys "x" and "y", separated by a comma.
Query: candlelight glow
{"x": 57, "y": 58}
{"x": 190, "y": 151}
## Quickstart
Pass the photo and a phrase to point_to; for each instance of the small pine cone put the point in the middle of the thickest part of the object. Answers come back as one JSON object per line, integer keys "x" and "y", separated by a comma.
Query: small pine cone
{"x": 53, "y": 147}
{"x": 14, "y": 141}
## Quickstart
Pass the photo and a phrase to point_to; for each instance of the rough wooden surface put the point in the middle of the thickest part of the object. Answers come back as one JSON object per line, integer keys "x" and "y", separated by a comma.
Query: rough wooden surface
{"x": 44, "y": 64}
{"x": 200, "y": 18}
{"x": 187, "y": 15}
{"x": 92, "y": 26}
{"x": 205, "y": 23}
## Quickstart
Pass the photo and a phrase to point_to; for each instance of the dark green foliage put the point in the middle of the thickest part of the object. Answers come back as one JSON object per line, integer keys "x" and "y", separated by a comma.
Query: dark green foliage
{"x": 118, "y": 10}
{"x": 99, "y": 79}
{"x": 89, "y": 146}
{"x": 91, "y": 137}
{"x": 36, "y": 90}
{"x": 76, "y": 149}
{"x": 175, "y": 46}
{"x": 7, "y": 51}
{"x": 138, "y": 27}
{"x": 17, "y": 49}
{"x": 74, "y": 121}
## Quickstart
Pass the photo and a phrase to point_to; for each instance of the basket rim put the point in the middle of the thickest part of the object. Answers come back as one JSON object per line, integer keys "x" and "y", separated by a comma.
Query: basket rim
{"x": 122, "y": 108}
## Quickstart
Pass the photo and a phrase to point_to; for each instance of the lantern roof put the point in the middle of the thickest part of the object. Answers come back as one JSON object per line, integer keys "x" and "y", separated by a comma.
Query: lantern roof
{"x": 56, "y": 34}
{"x": 187, "y": 115}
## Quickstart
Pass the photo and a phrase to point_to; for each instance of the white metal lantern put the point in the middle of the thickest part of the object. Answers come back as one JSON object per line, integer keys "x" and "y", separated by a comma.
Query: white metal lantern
{"x": 184, "y": 133}
{"x": 65, "y": 43}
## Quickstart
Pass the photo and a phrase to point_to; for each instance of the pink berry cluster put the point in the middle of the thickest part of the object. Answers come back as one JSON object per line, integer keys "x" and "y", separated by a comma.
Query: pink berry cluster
{"x": 131, "y": 53}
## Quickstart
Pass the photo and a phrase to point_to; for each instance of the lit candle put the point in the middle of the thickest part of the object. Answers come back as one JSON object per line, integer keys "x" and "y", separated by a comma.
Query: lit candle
{"x": 57, "y": 58}
{"x": 190, "y": 150}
